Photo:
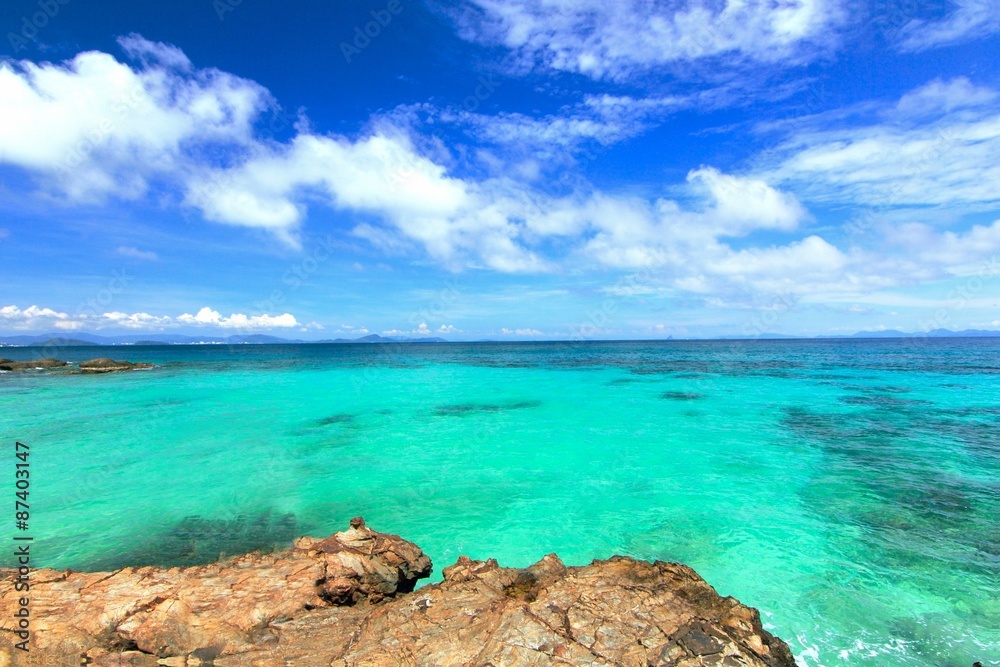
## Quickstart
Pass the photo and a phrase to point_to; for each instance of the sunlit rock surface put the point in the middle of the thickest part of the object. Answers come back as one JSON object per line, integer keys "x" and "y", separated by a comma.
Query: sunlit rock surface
{"x": 348, "y": 600}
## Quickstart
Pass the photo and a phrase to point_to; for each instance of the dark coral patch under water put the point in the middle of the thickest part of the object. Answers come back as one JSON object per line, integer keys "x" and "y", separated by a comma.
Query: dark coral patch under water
{"x": 463, "y": 409}
{"x": 196, "y": 540}
{"x": 883, "y": 401}
{"x": 912, "y": 510}
{"x": 682, "y": 395}
{"x": 620, "y": 381}
{"x": 335, "y": 419}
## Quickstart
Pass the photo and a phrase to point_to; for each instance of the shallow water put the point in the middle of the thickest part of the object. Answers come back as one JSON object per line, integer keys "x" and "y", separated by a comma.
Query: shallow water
{"x": 850, "y": 490}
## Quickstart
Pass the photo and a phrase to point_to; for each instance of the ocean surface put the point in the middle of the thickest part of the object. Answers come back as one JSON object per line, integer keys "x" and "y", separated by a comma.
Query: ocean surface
{"x": 848, "y": 489}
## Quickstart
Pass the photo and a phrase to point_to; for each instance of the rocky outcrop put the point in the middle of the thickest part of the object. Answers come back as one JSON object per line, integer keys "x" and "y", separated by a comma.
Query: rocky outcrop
{"x": 226, "y": 607}
{"x": 33, "y": 364}
{"x": 106, "y": 365}
{"x": 102, "y": 365}
{"x": 344, "y": 601}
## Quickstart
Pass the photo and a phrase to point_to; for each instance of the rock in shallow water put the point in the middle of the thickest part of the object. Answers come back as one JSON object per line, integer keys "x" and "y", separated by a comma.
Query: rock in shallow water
{"x": 345, "y": 601}
{"x": 44, "y": 362}
{"x": 106, "y": 365}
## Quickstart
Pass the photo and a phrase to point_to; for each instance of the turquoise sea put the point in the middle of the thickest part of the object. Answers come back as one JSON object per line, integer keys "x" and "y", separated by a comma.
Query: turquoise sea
{"x": 848, "y": 489}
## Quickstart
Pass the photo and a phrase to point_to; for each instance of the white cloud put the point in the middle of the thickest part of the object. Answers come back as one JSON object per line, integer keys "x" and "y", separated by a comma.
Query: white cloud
{"x": 33, "y": 318}
{"x": 938, "y": 146}
{"x": 613, "y": 40}
{"x": 14, "y": 316}
{"x": 811, "y": 258}
{"x": 456, "y": 222}
{"x": 969, "y": 20}
{"x": 207, "y": 316}
{"x": 405, "y": 199}
{"x": 136, "y": 320}
{"x": 521, "y": 332}
{"x": 423, "y": 329}
{"x": 154, "y": 53}
{"x": 633, "y": 233}
{"x": 942, "y": 96}
{"x": 632, "y": 290}
{"x": 498, "y": 223}
{"x": 94, "y": 127}
{"x": 380, "y": 174}
{"x": 947, "y": 249}
{"x": 743, "y": 205}
{"x": 135, "y": 253}
{"x": 599, "y": 119}
{"x": 63, "y": 325}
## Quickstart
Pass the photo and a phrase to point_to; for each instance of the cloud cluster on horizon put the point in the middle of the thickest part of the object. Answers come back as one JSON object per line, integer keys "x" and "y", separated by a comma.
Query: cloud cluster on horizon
{"x": 35, "y": 318}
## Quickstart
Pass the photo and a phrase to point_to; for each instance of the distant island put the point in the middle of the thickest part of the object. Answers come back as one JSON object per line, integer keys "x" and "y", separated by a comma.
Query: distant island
{"x": 84, "y": 339}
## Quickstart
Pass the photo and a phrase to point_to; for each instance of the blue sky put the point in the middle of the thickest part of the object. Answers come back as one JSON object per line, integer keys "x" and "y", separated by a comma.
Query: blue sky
{"x": 509, "y": 170}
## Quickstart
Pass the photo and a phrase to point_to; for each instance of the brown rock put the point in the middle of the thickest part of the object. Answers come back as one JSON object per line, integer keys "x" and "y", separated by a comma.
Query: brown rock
{"x": 272, "y": 610}
{"x": 44, "y": 362}
{"x": 216, "y": 609}
{"x": 618, "y": 612}
{"x": 106, "y": 365}
{"x": 362, "y": 563}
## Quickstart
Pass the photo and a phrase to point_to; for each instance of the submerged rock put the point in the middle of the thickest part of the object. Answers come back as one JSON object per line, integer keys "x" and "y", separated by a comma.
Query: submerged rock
{"x": 44, "y": 362}
{"x": 681, "y": 395}
{"x": 106, "y": 365}
{"x": 348, "y": 600}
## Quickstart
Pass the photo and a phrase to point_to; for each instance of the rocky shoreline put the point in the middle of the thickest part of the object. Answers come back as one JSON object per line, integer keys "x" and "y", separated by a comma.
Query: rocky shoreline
{"x": 349, "y": 600}
{"x": 101, "y": 365}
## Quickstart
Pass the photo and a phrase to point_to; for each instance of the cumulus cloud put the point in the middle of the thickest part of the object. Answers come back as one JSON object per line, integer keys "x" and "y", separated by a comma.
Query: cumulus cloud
{"x": 34, "y": 318}
{"x": 495, "y": 223}
{"x": 94, "y": 127}
{"x": 742, "y": 204}
{"x": 380, "y": 174}
{"x": 947, "y": 249}
{"x": 30, "y": 315}
{"x": 207, "y": 316}
{"x": 614, "y": 40}
{"x": 135, "y": 320}
{"x": 405, "y": 200}
{"x": 935, "y": 145}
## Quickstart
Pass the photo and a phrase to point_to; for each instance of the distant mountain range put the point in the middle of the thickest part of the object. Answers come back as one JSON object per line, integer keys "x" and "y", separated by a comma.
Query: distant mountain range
{"x": 934, "y": 333}
{"x": 84, "y": 339}
{"x": 886, "y": 333}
